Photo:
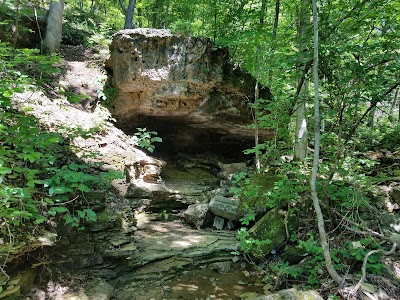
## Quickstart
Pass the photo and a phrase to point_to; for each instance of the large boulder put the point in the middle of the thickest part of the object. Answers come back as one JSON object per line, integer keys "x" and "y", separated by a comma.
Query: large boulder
{"x": 171, "y": 82}
{"x": 199, "y": 215}
{"x": 272, "y": 229}
{"x": 225, "y": 207}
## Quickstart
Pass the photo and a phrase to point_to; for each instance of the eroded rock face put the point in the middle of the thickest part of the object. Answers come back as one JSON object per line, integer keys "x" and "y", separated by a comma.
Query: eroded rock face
{"x": 177, "y": 80}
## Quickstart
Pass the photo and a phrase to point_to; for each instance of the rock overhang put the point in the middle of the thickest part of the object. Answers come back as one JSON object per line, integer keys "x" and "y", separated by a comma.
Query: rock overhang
{"x": 167, "y": 82}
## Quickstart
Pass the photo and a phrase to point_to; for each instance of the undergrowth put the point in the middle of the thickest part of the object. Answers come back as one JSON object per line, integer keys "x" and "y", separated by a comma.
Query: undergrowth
{"x": 40, "y": 177}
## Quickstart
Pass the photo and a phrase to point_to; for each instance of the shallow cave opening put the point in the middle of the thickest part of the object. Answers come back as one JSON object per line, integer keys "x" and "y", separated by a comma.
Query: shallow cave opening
{"x": 181, "y": 137}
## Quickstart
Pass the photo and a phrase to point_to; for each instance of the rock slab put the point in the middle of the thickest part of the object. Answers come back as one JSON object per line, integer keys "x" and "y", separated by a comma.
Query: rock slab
{"x": 199, "y": 215}
{"x": 225, "y": 207}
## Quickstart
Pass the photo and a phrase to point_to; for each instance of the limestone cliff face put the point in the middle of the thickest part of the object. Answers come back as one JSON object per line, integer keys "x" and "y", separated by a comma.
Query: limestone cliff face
{"x": 178, "y": 79}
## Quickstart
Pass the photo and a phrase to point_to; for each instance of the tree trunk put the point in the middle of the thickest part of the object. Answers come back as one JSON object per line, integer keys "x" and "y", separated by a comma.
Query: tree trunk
{"x": 262, "y": 13}
{"x": 301, "y": 113}
{"x": 256, "y": 130}
{"x": 92, "y": 5}
{"x": 215, "y": 29}
{"x": 371, "y": 118}
{"x": 129, "y": 15}
{"x": 52, "y": 39}
{"x": 276, "y": 20}
{"x": 16, "y": 26}
{"x": 320, "y": 218}
{"x": 123, "y": 6}
{"x": 155, "y": 23}
{"x": 166, "y": 15}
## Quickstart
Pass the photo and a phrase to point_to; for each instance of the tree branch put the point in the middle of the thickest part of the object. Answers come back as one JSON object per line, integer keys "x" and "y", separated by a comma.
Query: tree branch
{"x": 321, "y": 225}
{"x": 364, "y": 266}
{"x": 372, "y": 106}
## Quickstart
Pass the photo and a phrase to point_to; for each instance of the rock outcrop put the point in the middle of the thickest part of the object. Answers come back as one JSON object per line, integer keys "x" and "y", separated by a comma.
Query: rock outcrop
{"x": 289, "y": 294}
{"x": 168, "y": 81}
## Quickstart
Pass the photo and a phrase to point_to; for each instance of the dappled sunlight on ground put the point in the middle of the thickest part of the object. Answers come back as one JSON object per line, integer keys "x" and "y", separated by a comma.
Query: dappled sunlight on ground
{"x": 205, "y": 284}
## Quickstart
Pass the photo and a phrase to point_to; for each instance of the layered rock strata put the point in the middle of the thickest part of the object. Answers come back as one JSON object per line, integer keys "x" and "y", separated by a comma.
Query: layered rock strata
{"x": 168, "y": 79}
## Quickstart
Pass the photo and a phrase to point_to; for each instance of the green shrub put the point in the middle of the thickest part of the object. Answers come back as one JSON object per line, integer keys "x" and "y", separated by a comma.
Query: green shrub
{"x": 40, "y": 177}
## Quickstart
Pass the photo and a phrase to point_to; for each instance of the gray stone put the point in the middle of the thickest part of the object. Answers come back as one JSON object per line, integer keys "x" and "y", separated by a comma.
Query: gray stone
{"x": 124, "y": 251}
{"x": 390, "y": 225}
{"x": 289, "y": 294}
{"x": 225, "y": 207}
{"x": 84, "y": 261}
{"x": 270, "y": 227}
{"x": 100, "y": 290}
{"x": 218, "y": 192}
{"x": 166, "y": 247}
{"x": 119, "y": 239}
{"x": 221, "y": 267}
{"x": 218, "y": 223}
{"x": 396, "y": 194}
{"x": 230, "y": 225}
{"x": 199, "y": 215}
{"x": 229, "y": 170}
{"x": 135, "y": 191}
{"x": 82, "y": 249}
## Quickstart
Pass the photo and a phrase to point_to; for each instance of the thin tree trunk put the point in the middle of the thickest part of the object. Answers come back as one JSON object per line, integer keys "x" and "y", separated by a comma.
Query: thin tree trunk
{"x": 301, "y": 98}
{"x": 215, "y": 29}
{"x": 16, "y": 26}
{"x": 129, "y": 15}
{"x": 92, "y": 7}
{"x": 166, "y": 15}
{"x": 256, "y": 130}
{"x": 52, "y": 39}
{"x": 38, "y": 27}
{"x": 371, "y": 118}
{"x": 155, "y": 23}
{"x": 263, "y": 7}
{"x": 273, "y": 39}
{"x": 320, "y": 218}
{"x": 276, "y": 20}
{"x": 123, "y": 6}
{"x": 396, "y": 96}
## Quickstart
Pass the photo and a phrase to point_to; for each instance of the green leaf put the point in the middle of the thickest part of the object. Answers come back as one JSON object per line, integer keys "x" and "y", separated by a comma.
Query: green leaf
{"x": 57, "y": 210}
{"x": 68, "y": 219}
{"x": 48, "y": 200}
{"x": 83, "y": 188}
{"x": 7, "y": 93}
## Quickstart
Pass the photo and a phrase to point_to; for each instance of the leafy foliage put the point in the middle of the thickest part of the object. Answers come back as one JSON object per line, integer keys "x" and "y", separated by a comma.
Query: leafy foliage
{"x": 146, "y": 139}
{"x": 37, "y": 179}
{"x": 358, "y": 70}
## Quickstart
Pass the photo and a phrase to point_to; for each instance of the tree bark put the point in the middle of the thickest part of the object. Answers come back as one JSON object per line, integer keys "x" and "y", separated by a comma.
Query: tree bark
{"x": 52, "y": 39}
{"x": 155, "y": 20}
{"x": 256, "y": 130}
{"x": 123, "y": 6}
{"x": 301, "y": 142}
{"x": 262, "y": 13}
{"x": 166, "y": 15}
{"x": 130, "y": 12}
{"x": 16, "y": 25}
{"x": 320, "y": 218}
